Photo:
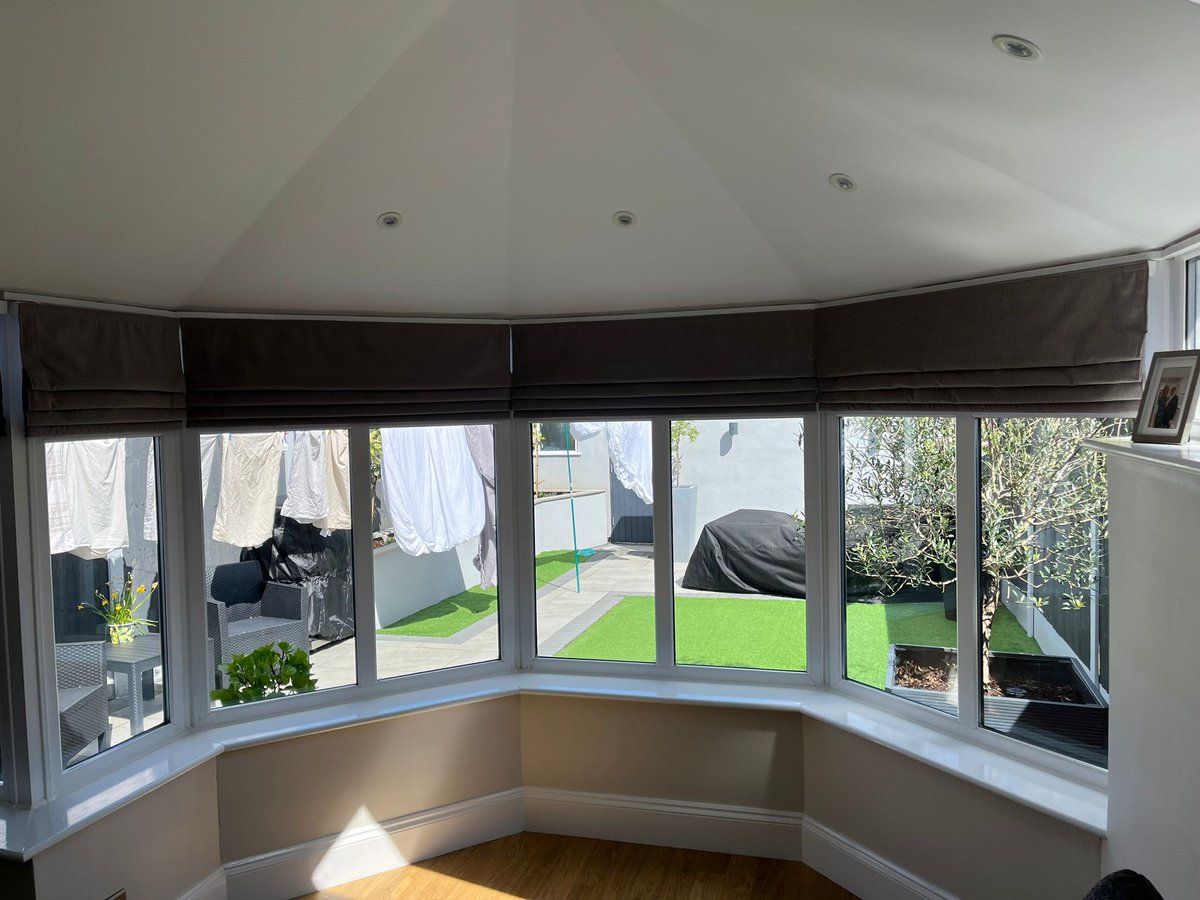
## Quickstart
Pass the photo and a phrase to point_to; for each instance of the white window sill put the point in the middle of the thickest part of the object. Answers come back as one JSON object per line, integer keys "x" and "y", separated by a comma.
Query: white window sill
{"x": 24, "y": 833}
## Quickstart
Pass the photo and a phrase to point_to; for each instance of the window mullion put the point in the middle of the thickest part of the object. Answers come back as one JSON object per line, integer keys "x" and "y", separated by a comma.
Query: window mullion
{"x": 511, "y": 483}
{"x": 362, "y": 553}
{"x": 830, "y": 525}
{"x": 966, "y": 559}
{"x": 664, "y": 565}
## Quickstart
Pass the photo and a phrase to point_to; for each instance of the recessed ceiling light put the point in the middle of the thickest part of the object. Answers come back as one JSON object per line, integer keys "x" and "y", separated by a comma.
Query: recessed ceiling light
{"x": 389, "y": 220}
{"x": 842, "y": 181}
{"x": 1016, "y": 47}
{"x": 623, "y": 218}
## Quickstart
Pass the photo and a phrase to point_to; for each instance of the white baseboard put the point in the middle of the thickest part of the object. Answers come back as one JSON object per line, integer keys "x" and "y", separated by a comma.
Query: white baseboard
{"x": 859, "y": 870}
{"x": 211, "y": 888}
{"x": 368, "y": 848}
{"x": 666, "y": 823}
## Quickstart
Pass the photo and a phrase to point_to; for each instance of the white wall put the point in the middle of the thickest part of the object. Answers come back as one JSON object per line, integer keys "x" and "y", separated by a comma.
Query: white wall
{"x": 1154, "y": 733}
{"x": 405, "y": 584}
{"x": 552, "y": 521}
{"x": 760, "y": 467}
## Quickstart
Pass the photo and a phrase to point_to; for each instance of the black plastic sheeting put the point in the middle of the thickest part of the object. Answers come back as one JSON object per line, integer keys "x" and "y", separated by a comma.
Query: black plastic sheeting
{"x": 750, "y": 551}
{"x": 758, "y": 551}
{"x": 299, "y": 554}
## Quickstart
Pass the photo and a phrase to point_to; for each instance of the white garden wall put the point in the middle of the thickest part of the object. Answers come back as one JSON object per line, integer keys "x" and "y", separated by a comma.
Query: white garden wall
{"x": 405, "y": 584}
{"x": 552, "y": 521}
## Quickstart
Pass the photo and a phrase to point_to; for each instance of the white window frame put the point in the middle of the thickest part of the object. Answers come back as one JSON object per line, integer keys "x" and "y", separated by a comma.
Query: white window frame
{"x": 664, "y": 665}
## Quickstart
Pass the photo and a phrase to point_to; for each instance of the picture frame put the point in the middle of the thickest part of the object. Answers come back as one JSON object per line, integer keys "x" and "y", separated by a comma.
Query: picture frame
{"x": 1169, "y": 399}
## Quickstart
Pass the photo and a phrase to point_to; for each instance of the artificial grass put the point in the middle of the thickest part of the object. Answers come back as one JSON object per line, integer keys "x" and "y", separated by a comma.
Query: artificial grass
{"x": 450, "y": 616}
{"x": 745, "y": 632}
{"x": 757, "y": 633}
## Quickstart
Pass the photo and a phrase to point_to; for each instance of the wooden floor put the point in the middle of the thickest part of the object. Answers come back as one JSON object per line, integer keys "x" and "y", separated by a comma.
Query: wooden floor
{"x": 549, "y": 866}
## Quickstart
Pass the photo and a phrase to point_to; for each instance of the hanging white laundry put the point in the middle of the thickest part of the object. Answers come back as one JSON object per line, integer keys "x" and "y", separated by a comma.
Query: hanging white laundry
{"x": 250, "y": 465}
{"x": 208, "y": 454}
{"x": 629, "y": 452}
{"x": 307, "y": 479}
{"x": 482, "y": 443}
{"x": 150, "y": 519}
{"x": 85, "y": 486}
{"x": 432, "y": 489}
{"x": 581, "y": 431}
{"x": 337, "y": 481}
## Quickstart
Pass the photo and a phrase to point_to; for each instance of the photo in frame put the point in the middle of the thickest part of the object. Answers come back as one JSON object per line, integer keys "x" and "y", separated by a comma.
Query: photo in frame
{"x": 1169, "y": 399}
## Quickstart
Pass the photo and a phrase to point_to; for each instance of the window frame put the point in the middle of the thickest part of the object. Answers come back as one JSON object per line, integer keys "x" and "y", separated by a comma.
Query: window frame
{"x": 664, "y": 665}
{"x": 60, "y": 779}
{"x": 968, "y": 724}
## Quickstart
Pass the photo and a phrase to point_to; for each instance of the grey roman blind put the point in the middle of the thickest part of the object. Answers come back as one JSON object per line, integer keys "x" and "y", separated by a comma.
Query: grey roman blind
{"x": 1067, "y": 343}
{"x": 288, "y": 372}
{"x": 745, "y": 362}
{"x": 93, "y": 372}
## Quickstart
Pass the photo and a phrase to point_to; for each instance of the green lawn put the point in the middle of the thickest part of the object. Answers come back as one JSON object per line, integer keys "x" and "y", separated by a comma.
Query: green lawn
{"x": 450, "y": 616}
{"x": 750, "y": 632}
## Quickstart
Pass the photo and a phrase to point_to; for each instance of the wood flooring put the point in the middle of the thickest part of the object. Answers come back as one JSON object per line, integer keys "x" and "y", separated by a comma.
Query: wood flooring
{"x": 550, "y": 867}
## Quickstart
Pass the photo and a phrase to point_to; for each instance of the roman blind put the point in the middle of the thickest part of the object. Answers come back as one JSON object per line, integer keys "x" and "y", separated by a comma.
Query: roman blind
{"x": 745, "y": 362}
{"x": 96, "y": 372}
{"x": 288, "y": 372}
{"x": 1066, "y": 343}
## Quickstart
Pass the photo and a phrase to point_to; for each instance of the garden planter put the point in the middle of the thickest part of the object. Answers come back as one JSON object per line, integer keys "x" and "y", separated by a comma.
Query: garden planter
{"x": 1076, "y": 725}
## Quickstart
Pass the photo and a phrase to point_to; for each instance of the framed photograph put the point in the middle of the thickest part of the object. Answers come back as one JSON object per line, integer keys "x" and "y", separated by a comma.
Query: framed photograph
{"x": 1169, "y": 400}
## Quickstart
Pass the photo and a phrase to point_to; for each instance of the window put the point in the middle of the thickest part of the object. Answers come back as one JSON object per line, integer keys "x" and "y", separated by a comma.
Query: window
{"x": 593, "y": 523}
{"x": 1043, "y": 582}
{"x": 435, "y": 555}
{"x": 738, "y": 533}
{"x": 277, "y": 562}
{"x": 898, "y": 504}
{"x": 105, "y": 573}
{"x": 1193, "y": 304}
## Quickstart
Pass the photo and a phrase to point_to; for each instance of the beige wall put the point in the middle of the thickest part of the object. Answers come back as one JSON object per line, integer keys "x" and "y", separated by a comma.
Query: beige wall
{"x": 156, "y": 847}
{"x": 283, "y": 793}
{"x": 728, "y": 756}
{"x": 955, "y": 835}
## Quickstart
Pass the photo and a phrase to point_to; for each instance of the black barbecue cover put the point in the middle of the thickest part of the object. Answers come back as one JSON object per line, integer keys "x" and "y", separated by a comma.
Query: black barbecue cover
{"x": 750, "y": 551}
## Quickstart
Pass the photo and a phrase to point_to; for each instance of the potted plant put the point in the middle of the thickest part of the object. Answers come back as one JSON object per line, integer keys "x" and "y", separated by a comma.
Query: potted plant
{"x": 273, "y": 670}
{"x": 683, "y": 496}
{"x": 122, "y": 610}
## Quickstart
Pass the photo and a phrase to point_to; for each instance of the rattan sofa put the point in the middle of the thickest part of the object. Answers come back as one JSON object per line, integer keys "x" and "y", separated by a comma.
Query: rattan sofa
{"x": 82, "y": 696}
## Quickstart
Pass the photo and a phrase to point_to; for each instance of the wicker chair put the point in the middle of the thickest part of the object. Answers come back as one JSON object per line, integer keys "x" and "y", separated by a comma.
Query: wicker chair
{"x": 82, "y": 696}
{"x": 244, "y": 612}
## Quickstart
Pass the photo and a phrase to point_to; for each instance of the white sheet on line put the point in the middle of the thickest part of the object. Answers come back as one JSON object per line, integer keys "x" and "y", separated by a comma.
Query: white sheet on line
{"x": 250, "y": 465}
{"x": 318, "y": 479}
{"x": 337, "y": 480}
{"x": 629, "y": 445}
{"x": 85, "y": 487}
{"x": 433, "y": 492}
{"x": 482, "y": 442}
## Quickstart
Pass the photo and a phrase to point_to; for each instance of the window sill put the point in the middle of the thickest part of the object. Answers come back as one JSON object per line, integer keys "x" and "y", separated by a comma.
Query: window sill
{"x": 25, "y": 832}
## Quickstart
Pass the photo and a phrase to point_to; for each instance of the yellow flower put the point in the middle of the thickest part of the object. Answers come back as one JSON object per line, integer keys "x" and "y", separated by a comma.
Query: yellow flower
{"x": 141, "y": 589}
{"x": 114, "y": 596}
{"x": 81, "y": 606}
{"x": 104, "y": 603}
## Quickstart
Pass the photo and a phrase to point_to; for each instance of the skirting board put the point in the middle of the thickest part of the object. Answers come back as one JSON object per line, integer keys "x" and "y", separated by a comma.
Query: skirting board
{"x": 211, "y": 888}
{"x": 368, "y": 848}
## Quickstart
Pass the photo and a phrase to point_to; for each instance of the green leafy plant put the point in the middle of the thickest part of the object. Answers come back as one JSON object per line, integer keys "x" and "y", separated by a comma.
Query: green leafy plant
{"x": 681, "y": 429}
{"x": 273, "y": 670}
{"x": 122, "y": 610}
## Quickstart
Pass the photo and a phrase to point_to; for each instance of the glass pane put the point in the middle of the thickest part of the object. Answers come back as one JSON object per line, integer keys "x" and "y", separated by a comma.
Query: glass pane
{"x": 898, "y": 502}
{"x": 109, "y": 652}
{"x": 1044, "y": 582}
{"x": 593, "y": 523}
{"x": 737, "y": 508}
{"x": 435, "y": 558}
{"x": 277, "y": 563}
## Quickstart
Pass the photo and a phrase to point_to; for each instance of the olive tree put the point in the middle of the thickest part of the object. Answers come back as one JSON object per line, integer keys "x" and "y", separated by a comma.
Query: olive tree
{"x": 1043, "y": 507}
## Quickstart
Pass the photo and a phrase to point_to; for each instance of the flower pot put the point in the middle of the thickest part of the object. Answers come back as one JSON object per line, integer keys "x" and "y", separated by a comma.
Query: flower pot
{"x": 121, "y": 634}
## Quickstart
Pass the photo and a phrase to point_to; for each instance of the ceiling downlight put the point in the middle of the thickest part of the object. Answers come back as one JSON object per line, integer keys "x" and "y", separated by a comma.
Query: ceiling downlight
{"x": 1017, "y": 47}
{"x": 623, "y": 218}
{"x": 843, "y": 182}
{"x": 389, "y": 220}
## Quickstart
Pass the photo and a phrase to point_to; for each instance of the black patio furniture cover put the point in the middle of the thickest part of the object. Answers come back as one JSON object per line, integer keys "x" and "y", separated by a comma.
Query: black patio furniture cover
{"x": 750, "y": 551}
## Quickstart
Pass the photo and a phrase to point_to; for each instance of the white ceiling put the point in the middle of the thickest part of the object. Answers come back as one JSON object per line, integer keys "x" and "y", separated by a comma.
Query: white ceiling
{"x": 234, "y": 154}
